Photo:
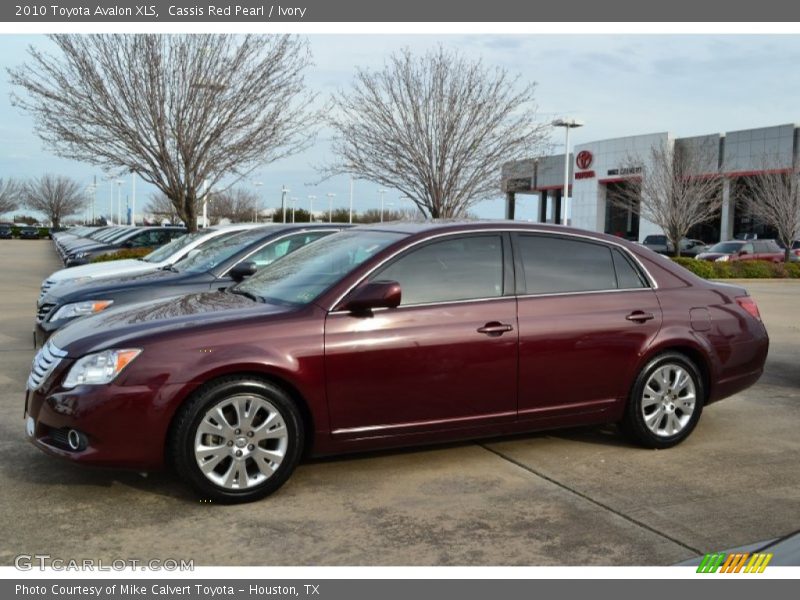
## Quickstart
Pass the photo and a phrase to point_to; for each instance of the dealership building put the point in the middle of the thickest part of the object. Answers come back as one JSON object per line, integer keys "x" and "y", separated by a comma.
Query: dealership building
{"x": 598, "y": 169}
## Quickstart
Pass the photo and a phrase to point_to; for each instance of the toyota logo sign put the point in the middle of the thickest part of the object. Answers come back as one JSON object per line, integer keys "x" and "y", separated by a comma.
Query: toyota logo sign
{"x": 584, "y": 159}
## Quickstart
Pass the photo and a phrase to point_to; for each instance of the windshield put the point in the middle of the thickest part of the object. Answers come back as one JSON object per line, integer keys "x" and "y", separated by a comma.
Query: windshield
{"x": 303, "y": 275}
{"x": 726, "y": 247}
{"x": 220, "y": 249}
{"x": 168, "y": 250}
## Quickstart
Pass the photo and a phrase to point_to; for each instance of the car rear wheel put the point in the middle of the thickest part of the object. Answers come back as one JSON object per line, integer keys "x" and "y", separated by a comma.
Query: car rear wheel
{"x": 666, "y": 402}
{"x": 237, "y": 440}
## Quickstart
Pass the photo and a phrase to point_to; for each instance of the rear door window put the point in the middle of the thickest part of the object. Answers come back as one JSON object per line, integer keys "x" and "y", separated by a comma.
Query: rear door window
{"x": 555, "y": 265}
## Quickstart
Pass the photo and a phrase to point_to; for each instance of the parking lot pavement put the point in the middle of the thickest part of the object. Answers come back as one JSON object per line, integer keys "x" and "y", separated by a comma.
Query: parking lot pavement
{"x": 576, "y": 497}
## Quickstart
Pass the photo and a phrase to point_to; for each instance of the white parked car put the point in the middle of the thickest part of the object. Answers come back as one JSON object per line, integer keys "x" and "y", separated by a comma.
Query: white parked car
{"x": 163, "y": 257}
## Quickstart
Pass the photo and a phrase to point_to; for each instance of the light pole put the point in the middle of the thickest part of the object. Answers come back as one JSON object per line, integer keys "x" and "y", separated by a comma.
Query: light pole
{"x": 119, "y": 183}
{"x": 93, "y": 187}
{"x": 205, "y": 204}
{"x": 330, "y": 206}
{"x": 381, "y": 193}
{"x": 294, "y": 204}
{"x": 284, "y": 191}
{"x": 311, "y": 208}
{"x": 351, "y": 199}
{"x": 567, "y": 124}
{"x": 133, "y": 198}
{"x": 256, "y": 184}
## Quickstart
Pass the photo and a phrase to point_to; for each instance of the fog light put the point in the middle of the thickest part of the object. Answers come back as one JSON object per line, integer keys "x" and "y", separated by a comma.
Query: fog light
{"x": 76, "y": 440}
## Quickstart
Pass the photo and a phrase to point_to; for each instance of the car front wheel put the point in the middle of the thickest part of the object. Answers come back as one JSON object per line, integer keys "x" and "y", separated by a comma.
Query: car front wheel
{"x": 237, "y": 440}
{"x": 666, "y": 402}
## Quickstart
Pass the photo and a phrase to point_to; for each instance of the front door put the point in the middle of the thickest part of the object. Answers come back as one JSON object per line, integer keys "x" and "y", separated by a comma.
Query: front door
{"x": 445, "y": 358}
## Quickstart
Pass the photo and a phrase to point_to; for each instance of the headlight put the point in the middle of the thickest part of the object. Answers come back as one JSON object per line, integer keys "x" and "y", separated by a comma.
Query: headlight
{"x": 724, "y": 258}
{"x": 100, "y": 368}
{"x": 80, "y": 255}
{"x": 80, "y": 309}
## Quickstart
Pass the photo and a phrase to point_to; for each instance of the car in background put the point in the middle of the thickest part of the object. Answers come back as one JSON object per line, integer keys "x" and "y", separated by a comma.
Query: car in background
{"x": 736, "y": 250}
{"x": 28, "y": 233}
{"x": 6, "y": 232}
{"x": 133, "y": 238}
{"x": 394, "y": 335}
{"x": 67, "y": 244}
{"x": 216, "y": 266}
{"x": 660, "y": 244}
{"x": 164, "y": 257}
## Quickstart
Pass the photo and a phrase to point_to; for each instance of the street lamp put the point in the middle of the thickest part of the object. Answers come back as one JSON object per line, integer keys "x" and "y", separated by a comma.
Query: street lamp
{"x": 330, "y": 206}
{"x": 119, "y": 183}
{"x": 284, "y": 191}
{"x": 381, "y": 193}
{"x": 311, "y": 208}
{"x": 567, "y": 124}
{"x": 256, "y": 184}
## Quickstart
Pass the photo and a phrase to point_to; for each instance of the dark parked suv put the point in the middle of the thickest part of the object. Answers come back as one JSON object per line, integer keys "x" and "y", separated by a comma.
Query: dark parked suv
{"x": 393, "y": 335}
{"x": 5, "y": 232}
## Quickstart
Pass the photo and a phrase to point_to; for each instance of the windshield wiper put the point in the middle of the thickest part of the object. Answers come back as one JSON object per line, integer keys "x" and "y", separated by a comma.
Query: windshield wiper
{"x": 239, "y": 292}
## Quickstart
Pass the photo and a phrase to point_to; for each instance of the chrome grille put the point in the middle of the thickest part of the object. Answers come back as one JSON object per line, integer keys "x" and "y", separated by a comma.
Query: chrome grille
{"x": 48, "y": 283}
{"x": 44, "y": 363}
{"x": 43, "y": 310}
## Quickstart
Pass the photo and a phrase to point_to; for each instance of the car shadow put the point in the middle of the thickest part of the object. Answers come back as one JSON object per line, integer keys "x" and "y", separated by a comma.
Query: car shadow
{"x": 39, "y": 469}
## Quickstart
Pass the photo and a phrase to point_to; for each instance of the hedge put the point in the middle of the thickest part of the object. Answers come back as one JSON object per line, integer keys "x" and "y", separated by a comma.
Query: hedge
{"x": 120, "y": 254}
{"x": 740, "y": 269}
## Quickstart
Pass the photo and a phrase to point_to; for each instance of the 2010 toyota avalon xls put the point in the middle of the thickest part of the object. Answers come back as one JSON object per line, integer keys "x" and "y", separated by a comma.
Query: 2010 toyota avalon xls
{"x": 395, "y": 335}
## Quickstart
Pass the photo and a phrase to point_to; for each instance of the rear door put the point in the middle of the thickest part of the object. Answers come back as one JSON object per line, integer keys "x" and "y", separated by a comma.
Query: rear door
{"x": 586, "y": 314}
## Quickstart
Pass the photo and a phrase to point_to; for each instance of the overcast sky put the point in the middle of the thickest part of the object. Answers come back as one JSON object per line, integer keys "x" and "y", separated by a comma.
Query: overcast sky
{"x": 620, "y": 85}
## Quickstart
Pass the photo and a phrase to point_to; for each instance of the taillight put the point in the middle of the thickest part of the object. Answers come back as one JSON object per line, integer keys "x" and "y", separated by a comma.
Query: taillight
{"x": 747, "y": 303}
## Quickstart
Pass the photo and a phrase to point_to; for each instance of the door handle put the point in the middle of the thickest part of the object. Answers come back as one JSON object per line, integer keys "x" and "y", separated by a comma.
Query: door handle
{"x": 495, "y": 328}
{"x": 639, "y": 316}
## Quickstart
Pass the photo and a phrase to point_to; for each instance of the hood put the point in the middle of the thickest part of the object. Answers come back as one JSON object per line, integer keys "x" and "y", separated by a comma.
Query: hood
{"x": 94, "y": 269}
{"x": 128, "y": 323}
{"x": 93, "y": 290}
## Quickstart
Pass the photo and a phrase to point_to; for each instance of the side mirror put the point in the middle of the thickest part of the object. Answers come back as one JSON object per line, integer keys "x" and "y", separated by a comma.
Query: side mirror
{"x": 242, "y": 270}
{"x": 128, "y": 244}
{"x": 375, "y": 294}
{"x": 743, "y": 252}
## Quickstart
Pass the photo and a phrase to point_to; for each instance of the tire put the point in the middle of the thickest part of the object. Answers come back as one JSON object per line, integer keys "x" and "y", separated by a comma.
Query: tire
{"x": 247, "y": 433}
{"x": 653, "y": 391}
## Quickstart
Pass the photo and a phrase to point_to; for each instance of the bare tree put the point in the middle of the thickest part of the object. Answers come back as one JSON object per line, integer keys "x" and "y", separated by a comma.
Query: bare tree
{"x": 178, "y": 110}
{"x": 54, "y": 195}
{"x": 161, "y": 208}
{"x": 238, "y": 205}
{"x": 435, "y": 127}
{"x": 10, "y": 191}
{"x": 676, "y": 188}
{"x": 773, "y": 197}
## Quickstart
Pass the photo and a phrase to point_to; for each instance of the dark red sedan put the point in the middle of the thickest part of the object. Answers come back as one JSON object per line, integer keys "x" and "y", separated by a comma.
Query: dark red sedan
{"x": 395, "y": 335}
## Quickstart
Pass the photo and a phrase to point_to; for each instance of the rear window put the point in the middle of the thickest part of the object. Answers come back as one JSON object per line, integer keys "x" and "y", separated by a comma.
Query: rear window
{"x": 655, "y": 239}
{"x": 559, "y": 265}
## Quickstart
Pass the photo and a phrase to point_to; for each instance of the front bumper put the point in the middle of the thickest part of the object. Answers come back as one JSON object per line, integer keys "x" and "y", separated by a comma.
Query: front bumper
{"x": 123, "y": 426}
